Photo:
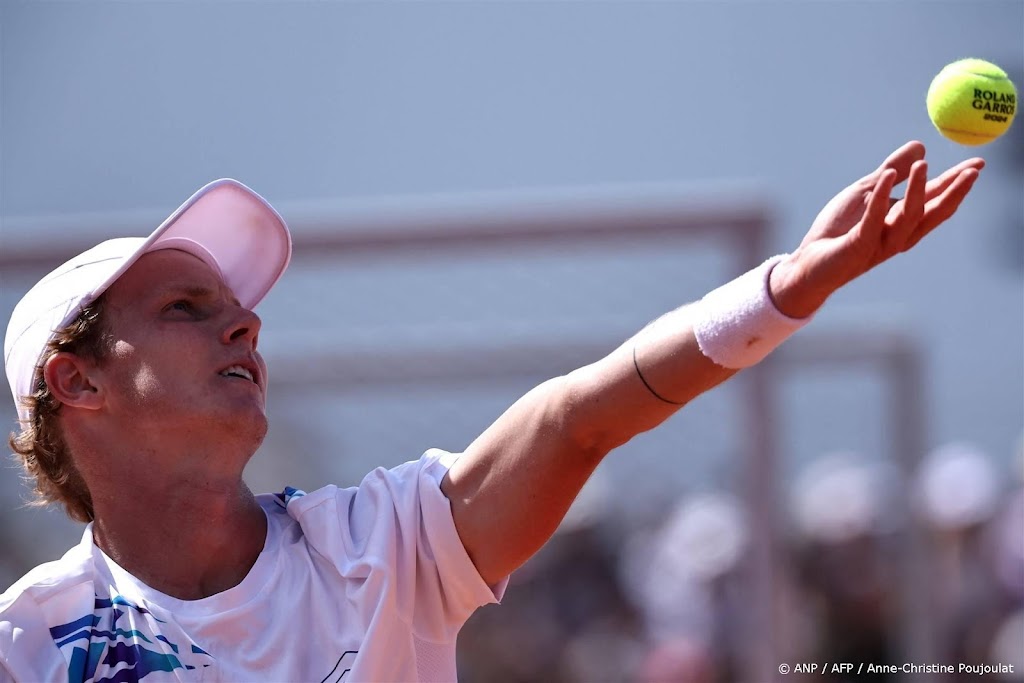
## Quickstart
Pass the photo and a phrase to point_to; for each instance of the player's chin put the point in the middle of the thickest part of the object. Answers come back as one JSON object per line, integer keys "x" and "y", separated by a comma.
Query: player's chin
{"x": 244, "y": 419}
{"x": 251, "y": 426}
{"x": 259, "y": 432}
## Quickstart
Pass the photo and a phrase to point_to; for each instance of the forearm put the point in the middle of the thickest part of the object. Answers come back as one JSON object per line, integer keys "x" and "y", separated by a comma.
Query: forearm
{"x": 530, "y": 464}
{"x": 689, "y": 351}
{"x": 517, "y": 480}
{"x": 617, "y": 397}
{"x": 511, "y": 487}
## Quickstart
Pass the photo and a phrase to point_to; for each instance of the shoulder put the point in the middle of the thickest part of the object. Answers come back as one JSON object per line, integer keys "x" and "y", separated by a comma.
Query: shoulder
{"x": 380, "y": 486}
{"x": 48, "y": 580}
{"x": 394, "y": 534}
{"x": 359, "y": 521}
{"x": 42, "y": 599}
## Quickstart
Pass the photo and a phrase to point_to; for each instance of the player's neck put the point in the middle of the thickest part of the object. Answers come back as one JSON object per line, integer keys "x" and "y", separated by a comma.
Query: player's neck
{"x": 187, "y": 542}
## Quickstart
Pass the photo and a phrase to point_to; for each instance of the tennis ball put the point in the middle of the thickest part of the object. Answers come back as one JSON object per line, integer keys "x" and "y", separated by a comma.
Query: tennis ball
{"x": 972, "y": 102}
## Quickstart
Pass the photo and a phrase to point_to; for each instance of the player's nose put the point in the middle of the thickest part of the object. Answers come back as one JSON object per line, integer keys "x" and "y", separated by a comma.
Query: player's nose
{"x": 243, "y": 325}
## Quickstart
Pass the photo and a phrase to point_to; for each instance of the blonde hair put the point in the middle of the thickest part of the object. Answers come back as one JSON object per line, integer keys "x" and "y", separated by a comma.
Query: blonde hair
{"x": 40, "y": 444}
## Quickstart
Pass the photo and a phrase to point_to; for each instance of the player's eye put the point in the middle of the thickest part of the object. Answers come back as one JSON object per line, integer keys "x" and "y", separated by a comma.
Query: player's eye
{"x": 180, "y": 305}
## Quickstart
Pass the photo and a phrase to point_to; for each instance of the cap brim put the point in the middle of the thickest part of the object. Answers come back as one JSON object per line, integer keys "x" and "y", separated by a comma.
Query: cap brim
{"x": 228, "y": 223}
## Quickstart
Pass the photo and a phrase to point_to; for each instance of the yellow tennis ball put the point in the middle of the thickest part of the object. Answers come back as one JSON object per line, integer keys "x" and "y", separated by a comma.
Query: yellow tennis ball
{"x": 972, "y": 101}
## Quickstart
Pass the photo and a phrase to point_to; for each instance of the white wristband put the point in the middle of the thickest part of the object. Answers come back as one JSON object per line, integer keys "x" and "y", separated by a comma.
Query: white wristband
{"x": 737, "y": 324}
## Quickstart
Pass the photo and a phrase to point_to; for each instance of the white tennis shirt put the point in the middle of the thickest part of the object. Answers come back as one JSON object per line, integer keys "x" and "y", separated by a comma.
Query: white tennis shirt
{"x": 369, "y": 583}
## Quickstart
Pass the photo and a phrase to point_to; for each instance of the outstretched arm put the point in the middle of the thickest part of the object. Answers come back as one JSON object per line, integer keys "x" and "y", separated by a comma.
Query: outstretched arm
{"x": 514, "y": 484}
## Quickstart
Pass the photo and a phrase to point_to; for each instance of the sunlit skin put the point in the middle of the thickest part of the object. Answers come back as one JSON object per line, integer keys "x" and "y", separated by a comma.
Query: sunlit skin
{"x": 158, "y": 427}
{"x": 516, "y": 481}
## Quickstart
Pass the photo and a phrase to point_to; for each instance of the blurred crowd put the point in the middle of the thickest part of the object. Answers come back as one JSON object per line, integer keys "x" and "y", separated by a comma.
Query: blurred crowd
{"x": 667, "y": 599}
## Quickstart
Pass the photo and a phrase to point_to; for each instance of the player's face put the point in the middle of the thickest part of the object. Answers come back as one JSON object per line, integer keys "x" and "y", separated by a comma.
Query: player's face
{"x": 184, "y": 363}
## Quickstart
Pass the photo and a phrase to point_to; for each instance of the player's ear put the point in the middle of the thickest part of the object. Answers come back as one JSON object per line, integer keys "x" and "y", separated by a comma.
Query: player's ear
{"x": 68, "y": 378}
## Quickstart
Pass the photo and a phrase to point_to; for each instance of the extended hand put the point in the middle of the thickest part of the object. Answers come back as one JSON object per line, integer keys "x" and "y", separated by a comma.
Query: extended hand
{"x": 862, "y": 226}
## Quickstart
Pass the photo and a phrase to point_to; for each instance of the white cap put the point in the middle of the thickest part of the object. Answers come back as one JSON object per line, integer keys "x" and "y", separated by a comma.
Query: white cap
{"x": 227, "y": 225}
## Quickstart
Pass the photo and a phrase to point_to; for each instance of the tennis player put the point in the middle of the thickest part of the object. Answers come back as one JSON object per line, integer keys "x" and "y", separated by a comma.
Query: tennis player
{"x": 141, "y": 395}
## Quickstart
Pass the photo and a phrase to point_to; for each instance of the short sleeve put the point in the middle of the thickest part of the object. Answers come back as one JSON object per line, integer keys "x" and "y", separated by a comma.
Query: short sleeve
{"x": 394, "y": 535}
{"x": 27, "y": 651}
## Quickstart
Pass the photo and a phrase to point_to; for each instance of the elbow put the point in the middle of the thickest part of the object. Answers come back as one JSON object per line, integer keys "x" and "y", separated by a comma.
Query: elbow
{"x": 589, "y": 418}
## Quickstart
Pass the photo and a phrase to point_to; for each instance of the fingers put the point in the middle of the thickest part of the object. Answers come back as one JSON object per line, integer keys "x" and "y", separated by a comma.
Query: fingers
{"x": 906, "y": 220}
{"x": 878, "y": 205}
{"x": 899, "y": 161}
{"x": 906, "y": 214}
{"x": 903, "y": 158}
{"x": 939, "y": 184}
{"x": 940, "y": 208}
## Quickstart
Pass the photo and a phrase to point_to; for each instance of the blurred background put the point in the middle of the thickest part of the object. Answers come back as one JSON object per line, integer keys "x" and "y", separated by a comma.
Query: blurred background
{"x": 484, "y": 195}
